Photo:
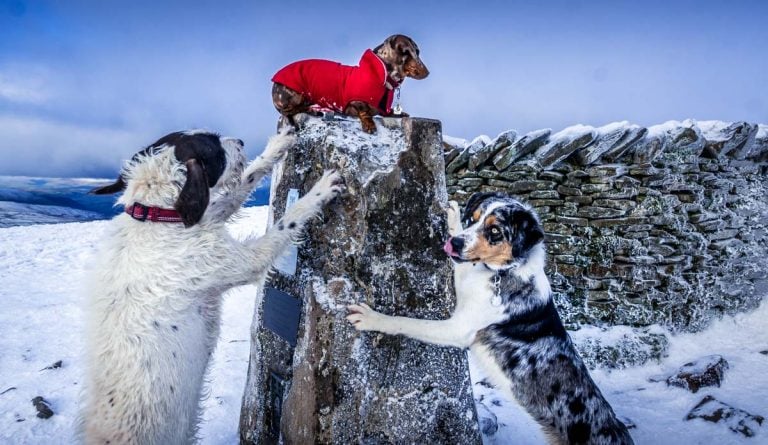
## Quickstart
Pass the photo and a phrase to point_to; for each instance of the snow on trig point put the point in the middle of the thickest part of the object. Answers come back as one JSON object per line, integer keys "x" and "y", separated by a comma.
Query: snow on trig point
{"x": 312, "y": 378}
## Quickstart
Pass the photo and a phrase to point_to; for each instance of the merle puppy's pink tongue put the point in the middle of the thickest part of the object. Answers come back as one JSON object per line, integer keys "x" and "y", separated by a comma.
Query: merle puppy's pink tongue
{"x": 448, "y": 248}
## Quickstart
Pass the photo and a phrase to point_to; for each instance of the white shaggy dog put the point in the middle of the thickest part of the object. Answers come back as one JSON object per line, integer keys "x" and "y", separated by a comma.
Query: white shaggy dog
{"x": 156, "y": 296}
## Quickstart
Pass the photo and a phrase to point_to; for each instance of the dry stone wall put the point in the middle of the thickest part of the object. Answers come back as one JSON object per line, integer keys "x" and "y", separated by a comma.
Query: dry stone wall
{"x": 663, "y": 225}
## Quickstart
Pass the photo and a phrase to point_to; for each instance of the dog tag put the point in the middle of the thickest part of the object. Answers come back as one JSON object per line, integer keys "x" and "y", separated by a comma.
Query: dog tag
{"x": 287, "y": 262}
{"x": 398, "y": 109}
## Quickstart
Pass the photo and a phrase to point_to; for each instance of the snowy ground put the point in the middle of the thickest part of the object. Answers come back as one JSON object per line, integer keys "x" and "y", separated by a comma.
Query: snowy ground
{"x": 42, "y": 268}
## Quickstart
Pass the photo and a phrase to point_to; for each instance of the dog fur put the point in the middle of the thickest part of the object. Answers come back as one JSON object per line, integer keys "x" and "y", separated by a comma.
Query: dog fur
{"x": 506, "y": 317}
{"x": 401, "y": 58}
{"x": 154, "y": 308}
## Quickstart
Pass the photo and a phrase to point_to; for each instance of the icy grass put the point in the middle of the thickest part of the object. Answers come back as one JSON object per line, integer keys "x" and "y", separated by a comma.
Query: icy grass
{"x": 42, "y": 269}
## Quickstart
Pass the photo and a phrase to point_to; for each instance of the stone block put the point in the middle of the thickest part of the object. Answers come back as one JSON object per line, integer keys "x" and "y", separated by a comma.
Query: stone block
{"x": 564, "y": 144}
{"x": 593, "y": 212}
{"x": 483, "y": 154}
{"x": 520, "y": 148}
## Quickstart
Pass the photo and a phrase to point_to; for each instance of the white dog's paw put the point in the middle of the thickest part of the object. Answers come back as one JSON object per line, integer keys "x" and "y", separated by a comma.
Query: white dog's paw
{"x": 279, "y": 144}
{"x": 454, "y": 218}
{"x": 328, "y": 187}
{"x": 310, "y": 205}
{"x": 363, "y": 318}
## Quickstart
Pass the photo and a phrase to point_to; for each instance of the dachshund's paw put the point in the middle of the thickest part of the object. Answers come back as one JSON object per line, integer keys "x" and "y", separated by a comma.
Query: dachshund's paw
{"x": 363, "y": 318}
{"x": 369, "y": 126}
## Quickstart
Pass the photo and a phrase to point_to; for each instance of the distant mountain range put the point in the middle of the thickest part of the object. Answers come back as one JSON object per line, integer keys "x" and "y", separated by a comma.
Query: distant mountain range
{"x": 26, "y": 201}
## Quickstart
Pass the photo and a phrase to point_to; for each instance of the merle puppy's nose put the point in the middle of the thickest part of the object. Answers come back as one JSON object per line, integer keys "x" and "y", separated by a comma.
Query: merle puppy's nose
{"x": 457, "y": 244}
{"x": 240, "y": 141}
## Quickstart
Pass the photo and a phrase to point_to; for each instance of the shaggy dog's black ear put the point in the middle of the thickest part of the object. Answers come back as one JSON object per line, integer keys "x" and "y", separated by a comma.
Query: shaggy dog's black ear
{"x": 194, "y": 196}
{"x": 474, "y": 202}
{"x": 117, "y": 186}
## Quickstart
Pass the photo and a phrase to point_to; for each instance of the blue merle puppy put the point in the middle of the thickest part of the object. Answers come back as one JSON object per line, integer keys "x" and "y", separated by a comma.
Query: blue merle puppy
{"x": 506, "y": 317}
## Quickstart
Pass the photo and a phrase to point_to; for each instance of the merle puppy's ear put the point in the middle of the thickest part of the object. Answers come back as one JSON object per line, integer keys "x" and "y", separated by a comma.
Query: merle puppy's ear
{"x": 194, "y": 196}
{"x": 474, "y": 202}
{"x": 528, "y": 232}
{"x": 117, "y": 186}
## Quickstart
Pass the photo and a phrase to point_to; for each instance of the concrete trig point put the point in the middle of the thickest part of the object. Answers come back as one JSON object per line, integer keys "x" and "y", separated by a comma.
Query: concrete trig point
{"x": 312, "y": 378}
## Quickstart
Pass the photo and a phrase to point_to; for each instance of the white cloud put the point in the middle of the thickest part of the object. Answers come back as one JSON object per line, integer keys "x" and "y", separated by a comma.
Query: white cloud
{"x": 40, "y": 147}
{"x": 25, "y": 90}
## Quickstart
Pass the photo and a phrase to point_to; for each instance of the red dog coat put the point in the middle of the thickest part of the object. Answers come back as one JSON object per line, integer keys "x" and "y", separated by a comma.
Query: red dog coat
{"x": 333, "y": 85}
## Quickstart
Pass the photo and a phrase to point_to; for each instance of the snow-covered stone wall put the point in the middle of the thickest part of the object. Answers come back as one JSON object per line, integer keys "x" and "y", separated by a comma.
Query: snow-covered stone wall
{"x": 662, "y": 225}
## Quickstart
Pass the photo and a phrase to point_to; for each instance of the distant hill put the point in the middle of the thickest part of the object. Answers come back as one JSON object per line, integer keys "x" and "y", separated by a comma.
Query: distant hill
{"x": 26, "y": 200}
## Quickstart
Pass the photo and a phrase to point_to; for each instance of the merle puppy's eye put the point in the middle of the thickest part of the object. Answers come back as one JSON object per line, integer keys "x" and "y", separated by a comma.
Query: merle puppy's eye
{"x": 494, "y": 234}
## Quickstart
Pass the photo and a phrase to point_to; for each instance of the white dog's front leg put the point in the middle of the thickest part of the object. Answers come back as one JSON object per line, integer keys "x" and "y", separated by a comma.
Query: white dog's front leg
{"x": 260, "y": 167}
{"x": 438, "y": 332}
{"x": 262, "y": 252}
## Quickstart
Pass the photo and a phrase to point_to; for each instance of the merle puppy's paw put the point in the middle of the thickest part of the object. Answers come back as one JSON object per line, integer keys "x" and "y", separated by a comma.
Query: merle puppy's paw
{"x": 329, "y": 186}
{"x": 363, "y": 318}
{"x": 454, "y": 218}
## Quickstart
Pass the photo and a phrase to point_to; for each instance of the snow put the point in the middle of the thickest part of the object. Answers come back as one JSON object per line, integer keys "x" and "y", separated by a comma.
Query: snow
{"x": 713, "y": 130}
{"x": 371, "y": 154}
{"x": 614, "y": 126}
{"x": 570, "y": 133}
{"x": 478, "y": 143}
{"x": 610, "y": 335}
{"x": 658, "y": 410}
{"x": 42, "y": 268}
{"x": 762, "y": 131}
{"x": 669, "y": 126}
{"x": 459, "y": 143}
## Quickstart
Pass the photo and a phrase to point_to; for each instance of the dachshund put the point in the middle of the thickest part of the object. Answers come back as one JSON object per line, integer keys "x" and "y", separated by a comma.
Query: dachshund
{"x": 362, "y": 91}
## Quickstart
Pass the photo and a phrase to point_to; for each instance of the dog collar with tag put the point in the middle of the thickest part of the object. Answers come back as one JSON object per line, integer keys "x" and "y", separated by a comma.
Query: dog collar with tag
{"x": 140, "y": 212}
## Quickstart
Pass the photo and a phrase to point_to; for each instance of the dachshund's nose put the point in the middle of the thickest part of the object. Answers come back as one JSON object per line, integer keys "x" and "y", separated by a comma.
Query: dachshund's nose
{"x": 421, "y": 73}
{"x": 457, "y": 244}
{"x": 240, "y": 142}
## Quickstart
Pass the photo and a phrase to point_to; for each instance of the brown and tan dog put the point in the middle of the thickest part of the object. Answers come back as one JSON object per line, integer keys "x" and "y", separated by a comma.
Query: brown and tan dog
{"x": 363, "y": 91}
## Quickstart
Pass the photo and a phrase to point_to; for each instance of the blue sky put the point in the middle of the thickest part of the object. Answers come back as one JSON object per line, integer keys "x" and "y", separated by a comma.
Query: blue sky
{"x": 83, "y": 85}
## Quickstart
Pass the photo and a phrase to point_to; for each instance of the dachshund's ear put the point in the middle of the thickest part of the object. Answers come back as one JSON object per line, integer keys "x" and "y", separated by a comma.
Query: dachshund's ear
{"x": 400, "y": 45}
{"x": 473, "y": 203}
{"x": 117, "y": 186}
{"x": 194, "y": 196}
{"x": 387, "y": 47}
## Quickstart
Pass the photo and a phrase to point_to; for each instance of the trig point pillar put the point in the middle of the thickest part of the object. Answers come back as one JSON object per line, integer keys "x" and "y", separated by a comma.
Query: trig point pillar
{"x": 312, "y": 378}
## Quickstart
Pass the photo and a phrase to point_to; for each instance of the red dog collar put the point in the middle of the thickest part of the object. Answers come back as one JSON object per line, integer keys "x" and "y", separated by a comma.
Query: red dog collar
{"x": 140, "y": 212}
{"x": 392, "y": 82}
